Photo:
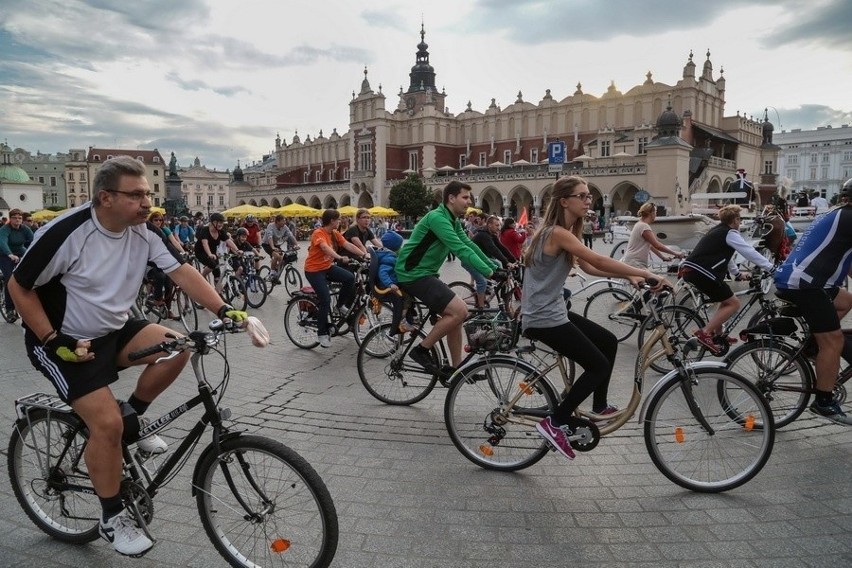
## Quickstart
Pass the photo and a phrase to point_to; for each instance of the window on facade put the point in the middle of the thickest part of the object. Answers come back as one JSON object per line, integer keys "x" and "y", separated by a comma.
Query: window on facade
{"x": 72, "y": 202}
{"x": 156, "y": 159}
{"x": 198, "y": 200}
{"x": 52, "y": 181}
{"x": 642, "y": 142}
{"x": 197, "y": 186}
{"x": 847, "y": 156}
{"x": 793, "y": 160}
{"x": 156, "y": 187}
{"x": 507, "y": 157}
{"x": 767, "y": 167}
{"x": 140, "y": 159}
{"x": 82, "y": 176}
{"x": 813, "y": 158}
{"x": 70, "y": 176}
{"x": 825, "y": 158}
{"x": 109, "y": 157}
{"x": 824, "y": 173}
{"x": 534, "y": 156}
{"x": 483, "y": 160}
{"x": 305, "y": 177}
{"x": 365, "y": 156}
{"x": 345, "y": 173}
{"x": 412, "y": 160}
{"x": 605, "y": 149}
{"x": 157, "y": 201}
{"x": 812, "y": 174}
{"x": 462, "y": 160}
{"x": 221, "y": 200}
{"x": 156, "y": 173}
{"x": 791, "y": 174}
{"x": 318, "y": 176}
{"x": 96, "y": 157}
{"x": 209, "y": 200}
{"x": 41, "y": 179}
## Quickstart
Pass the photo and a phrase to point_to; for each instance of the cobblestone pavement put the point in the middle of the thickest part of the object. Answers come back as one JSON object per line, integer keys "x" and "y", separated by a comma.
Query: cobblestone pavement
{"x": 407, "y": 498}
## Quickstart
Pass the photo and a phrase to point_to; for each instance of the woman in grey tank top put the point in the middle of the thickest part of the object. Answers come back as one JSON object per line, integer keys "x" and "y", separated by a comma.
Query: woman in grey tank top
{"x": 554, "y": 250}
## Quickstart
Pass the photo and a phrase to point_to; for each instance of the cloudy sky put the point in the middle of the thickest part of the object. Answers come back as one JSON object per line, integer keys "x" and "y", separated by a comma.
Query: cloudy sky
{"x": 219, "y": 79}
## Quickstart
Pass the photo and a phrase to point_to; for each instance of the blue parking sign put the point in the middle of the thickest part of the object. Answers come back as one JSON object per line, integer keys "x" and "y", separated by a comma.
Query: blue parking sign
{"x": 556, "y": 152}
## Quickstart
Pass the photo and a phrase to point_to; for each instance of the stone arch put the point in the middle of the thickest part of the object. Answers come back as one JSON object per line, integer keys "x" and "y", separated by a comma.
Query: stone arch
{"x": 264, "y": 203}
{"x": 622, "y": 199}
{"x": 715, "y": 185}
{"x": 519, "y": 197}
{"x": 345, "y": 200}
{"x": 275, "y": 203}
{"x": 330, "y": 202}
{"x": 315, "y": 202}
{"x": 490, "y": 200}
{"x": 365, "y": 200}
{"x": 242, "y": 202}
{"x": 301, "y": 200}
{"x": 597, "y": 203}
{"x": 253, "y": 202}
{"x": 287, "y": 201}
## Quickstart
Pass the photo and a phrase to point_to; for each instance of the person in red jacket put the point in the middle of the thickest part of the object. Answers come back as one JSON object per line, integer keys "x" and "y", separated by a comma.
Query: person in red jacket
{"x": 511, "y": 238}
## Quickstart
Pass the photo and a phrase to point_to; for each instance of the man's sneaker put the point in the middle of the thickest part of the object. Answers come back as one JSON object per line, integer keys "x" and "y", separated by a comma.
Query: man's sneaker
{"x": 608, "y": 410}
{"x": 556, "y": 436}
{"x": 423, "y": 357}
{"x": 125, "y": 536}
{"x": 832, "y": 412}
{"x": 706, "y": 340}
{"x": 324, "y": 340}
{"x": 405, "y": 327}
{"x": 344, "y": 311}
{"x": 152, "y": 444}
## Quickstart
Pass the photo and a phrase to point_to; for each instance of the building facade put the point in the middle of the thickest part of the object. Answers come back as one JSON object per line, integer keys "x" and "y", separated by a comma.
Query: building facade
{"x": 49, "y": 171}
{"x": 613, "y": 140}
{"x": 816, "y": 160}
{"x": 80, "y": 173}
{"x": 204, "y": 189}
{"x": 17, "y": 190}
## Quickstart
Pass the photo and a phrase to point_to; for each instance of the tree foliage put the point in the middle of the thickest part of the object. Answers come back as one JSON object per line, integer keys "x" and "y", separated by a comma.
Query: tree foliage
{"x": 410, "y": 197}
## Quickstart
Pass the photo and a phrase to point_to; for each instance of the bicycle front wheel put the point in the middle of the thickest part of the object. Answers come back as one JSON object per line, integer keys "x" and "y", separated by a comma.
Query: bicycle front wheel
{"x": 680, "y": 322}
{"x": 730, "y": 450}
{"x": 485, "y": 427}
{"x": 616, "y": 310}
{"x": 255, "y": 290}
{"x": 261, "y": 504}
{"x": 783, "y": 378}
{"x": 300, "y": 322}
{"x": 388, "y": 373}
{"x": 292, "y": 279}
{"x": 186, "y": 311}
{"x": 50, "y": 478}
{"x": 464, "y": 291}
{"x": 235, "y": 293}
{"x": 367, "y": 318}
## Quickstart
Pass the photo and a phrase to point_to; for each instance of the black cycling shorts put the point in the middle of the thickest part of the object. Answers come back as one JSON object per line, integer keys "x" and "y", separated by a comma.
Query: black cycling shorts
{"x": 431, "y": 291}
{"x": 816, "y": 305}
{"x": 715, "y": 290}
{"x": 73, "y": 380}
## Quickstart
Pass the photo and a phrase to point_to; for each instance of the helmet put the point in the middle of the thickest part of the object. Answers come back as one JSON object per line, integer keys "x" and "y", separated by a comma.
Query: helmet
{"x": 184, "y": 218}
{"x": 846, "y": 190}
{"x": 242, "y": 231}
{"x": 392, "y": 241}
{"x": 249, "y": 218}
{"x": 217, "y": 217}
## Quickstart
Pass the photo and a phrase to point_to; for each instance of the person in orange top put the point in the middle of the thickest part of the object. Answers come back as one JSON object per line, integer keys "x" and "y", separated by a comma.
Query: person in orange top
{"x": 320, "y": 270}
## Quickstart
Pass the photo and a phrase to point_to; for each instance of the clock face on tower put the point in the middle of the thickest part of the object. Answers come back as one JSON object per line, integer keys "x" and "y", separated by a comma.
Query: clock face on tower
{"x": 409, "y": 102}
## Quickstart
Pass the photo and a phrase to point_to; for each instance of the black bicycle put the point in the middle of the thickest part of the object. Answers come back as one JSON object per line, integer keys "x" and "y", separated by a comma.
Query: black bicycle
{"x": 260, "y": 503}
{"x": 9, "y": 314}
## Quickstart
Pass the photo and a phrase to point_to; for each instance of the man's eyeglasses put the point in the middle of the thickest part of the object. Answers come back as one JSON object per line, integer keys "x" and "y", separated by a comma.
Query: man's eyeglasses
{"x": 582, "y": 196}
{"x": 134, "y": 195}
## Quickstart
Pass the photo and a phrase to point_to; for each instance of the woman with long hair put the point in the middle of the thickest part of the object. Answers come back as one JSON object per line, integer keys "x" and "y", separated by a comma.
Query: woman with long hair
{"x": 554, "y": 250}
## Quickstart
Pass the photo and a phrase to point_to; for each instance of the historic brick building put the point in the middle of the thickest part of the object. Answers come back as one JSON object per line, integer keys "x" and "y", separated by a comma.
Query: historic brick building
{"x": 672, "y": 140}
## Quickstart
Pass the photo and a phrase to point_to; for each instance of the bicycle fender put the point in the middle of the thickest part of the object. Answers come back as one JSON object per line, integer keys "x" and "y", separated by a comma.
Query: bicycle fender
{"x": 670, "y": 375}
{"x": 211, "y": 447}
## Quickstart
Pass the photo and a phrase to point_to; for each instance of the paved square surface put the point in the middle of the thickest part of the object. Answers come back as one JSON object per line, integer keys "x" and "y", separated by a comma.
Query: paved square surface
{"x": 406, "y": 497}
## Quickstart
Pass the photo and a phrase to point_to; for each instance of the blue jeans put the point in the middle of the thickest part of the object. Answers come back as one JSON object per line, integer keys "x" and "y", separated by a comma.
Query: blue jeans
{"x": 480, "y": 283}
{"x": 319, "y": 281}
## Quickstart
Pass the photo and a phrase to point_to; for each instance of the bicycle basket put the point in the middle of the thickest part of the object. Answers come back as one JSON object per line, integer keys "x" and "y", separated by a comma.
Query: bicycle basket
{"x": 489, "y": 332}
{"x": 290, "y": 256}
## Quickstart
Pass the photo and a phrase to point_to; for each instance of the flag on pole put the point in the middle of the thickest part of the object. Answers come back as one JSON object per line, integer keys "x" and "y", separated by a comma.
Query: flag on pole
{"x": 523, "y": 219}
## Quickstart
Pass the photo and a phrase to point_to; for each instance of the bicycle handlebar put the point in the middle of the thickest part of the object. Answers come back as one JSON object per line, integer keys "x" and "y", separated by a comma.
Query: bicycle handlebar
{"x": 196, "y": 341}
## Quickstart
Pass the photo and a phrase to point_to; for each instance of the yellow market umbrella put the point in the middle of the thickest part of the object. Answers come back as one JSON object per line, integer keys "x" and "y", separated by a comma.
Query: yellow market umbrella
{"x": 45, "y": 215}
{"x": 379, "y": 211}
{"x": 347, "y": 210}
{"x": 243, "y": 210}
{"x": 298, "y": 210}
{"x": 473, "y": 210}
{"x": 159, "y": 210}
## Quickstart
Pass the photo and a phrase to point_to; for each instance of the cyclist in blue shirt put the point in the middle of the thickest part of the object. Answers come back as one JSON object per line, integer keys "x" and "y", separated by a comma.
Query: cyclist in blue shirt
{"x": 185, "y": 233}
{"x": 812, "y": 278}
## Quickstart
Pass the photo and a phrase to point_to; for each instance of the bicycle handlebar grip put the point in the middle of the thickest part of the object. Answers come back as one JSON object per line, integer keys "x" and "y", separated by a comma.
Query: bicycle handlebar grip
{"x": 142, "y": 353}
{"x": 651, "y": 282}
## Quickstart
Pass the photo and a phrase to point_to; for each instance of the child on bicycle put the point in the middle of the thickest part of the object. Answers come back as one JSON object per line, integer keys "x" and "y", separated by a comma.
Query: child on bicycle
{"x": 243, "y": 246}
{"x": 386, "y": 284}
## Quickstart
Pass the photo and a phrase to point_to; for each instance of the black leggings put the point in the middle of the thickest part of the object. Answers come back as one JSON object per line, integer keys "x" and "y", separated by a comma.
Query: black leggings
{"x": 589, "y": 345}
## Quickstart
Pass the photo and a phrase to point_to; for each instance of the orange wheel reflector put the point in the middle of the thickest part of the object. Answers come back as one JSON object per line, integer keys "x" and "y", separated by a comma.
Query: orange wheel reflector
{"x": 280, "y": 545}
{"x": 486, "y": 450}
{"x": 679, "y": 437}
{"x": 525, "y": 388}
{"x": 749, "y": 422}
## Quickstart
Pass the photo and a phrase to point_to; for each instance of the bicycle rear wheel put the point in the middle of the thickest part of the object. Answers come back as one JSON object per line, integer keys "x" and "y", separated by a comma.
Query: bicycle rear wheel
{"x": 614, "y": 309}
{"x": 388, "y": 373}
{"x": 300, "y": 322}
{"x": 262, "y": 504}
{"x": 292, "y": 279}
{"x": 464, "y": 291}
{"x": 618, "y": 250}
{"x": 784, "y": 379}
{"x": 687, "y": 453}
{"x": 45, "y": 461}
{"x": 367, "y": 318}
{"x": 680, "y": 322}
{"x": 481, "y": 424}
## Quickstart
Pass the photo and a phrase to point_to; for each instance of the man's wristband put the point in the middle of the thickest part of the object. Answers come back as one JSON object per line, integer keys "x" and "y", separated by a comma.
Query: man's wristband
{"x": 48, "y": 336}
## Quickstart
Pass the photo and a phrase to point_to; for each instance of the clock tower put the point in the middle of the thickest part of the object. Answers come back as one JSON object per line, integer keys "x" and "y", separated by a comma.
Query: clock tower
{"x": 421, "y": 91}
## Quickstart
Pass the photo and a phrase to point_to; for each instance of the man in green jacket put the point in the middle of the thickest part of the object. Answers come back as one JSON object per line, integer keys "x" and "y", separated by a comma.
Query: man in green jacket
{"x": 438, "y": 233}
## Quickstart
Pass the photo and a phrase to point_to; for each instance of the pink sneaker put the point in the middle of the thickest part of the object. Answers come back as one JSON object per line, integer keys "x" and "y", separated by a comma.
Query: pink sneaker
{"x": 706, "y": 340}
{"x": 608, "y": 410}
{"x": 556, "y": 436}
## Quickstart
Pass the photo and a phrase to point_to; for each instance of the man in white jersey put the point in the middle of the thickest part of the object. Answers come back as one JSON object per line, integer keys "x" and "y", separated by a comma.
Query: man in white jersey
{"x": 812, "y": 277}
{"x": 74, "y": 288}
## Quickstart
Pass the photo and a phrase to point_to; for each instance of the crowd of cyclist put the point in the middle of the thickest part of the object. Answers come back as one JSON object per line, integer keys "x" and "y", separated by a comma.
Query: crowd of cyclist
{"x": 811, "y": 277}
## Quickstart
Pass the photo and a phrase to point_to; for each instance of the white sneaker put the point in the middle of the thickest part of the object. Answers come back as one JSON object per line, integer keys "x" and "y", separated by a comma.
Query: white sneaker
{"x": 324, "y": 340}
{"x": 125, "y": 536}
{"x": 152, "y": 444}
